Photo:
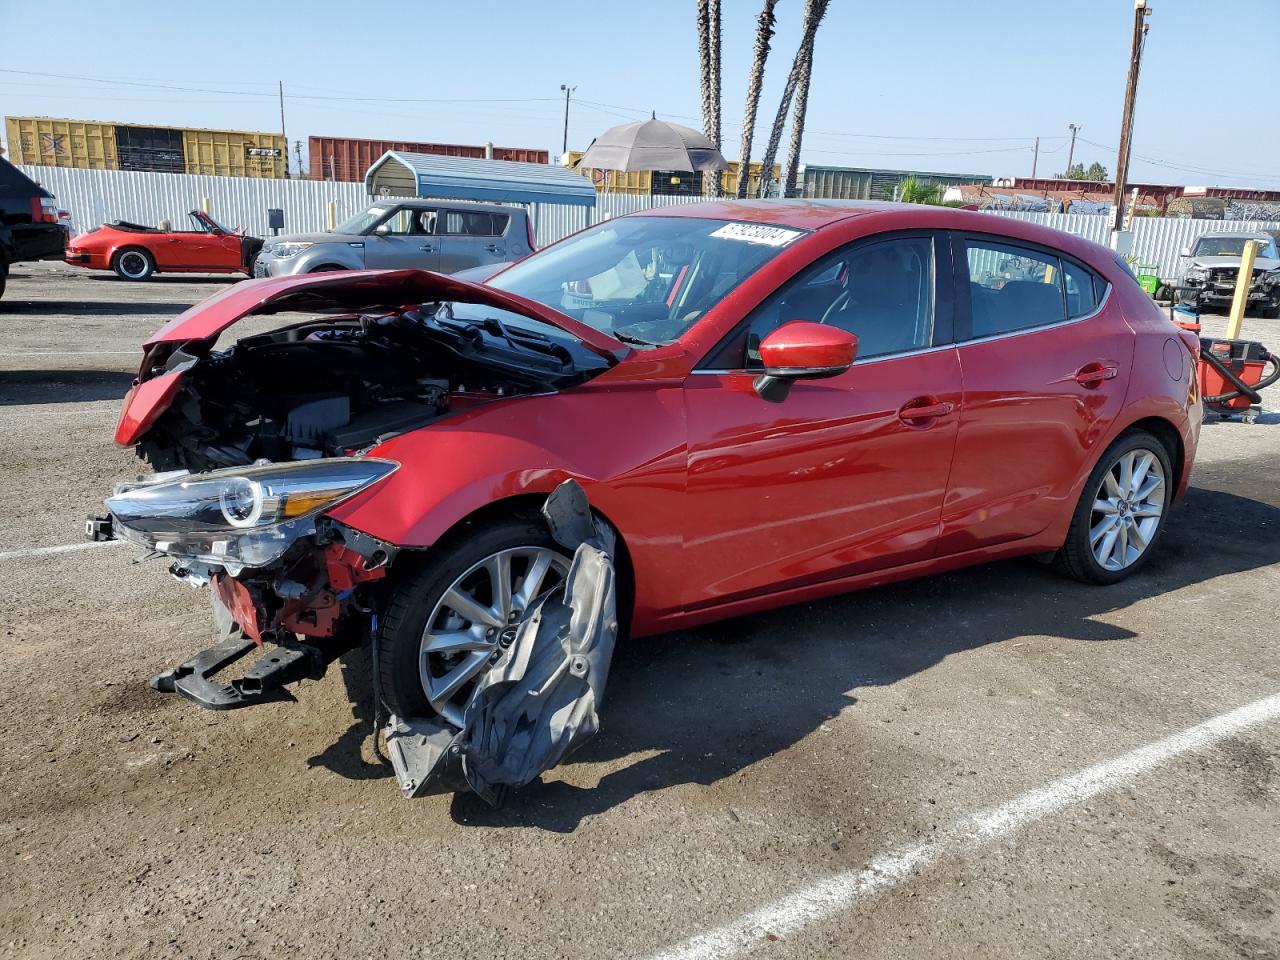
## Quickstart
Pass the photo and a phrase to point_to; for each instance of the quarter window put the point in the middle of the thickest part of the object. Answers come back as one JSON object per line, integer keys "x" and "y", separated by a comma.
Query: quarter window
{"x": 1012, "y": 288}
{"x": 881, "y": 292}
{"x": 1081, "y": 294}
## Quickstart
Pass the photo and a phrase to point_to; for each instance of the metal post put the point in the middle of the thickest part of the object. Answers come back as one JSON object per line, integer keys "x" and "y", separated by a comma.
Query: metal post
{"x": 332, "y": 214}
{"x": 564, "y": 148}
{"x": 1071, "y": 150}
{"x": 284, "y": 136}
{"x": 1244, "y": 279}
{"x": 1140, "y": 14}
{"x": 1035, "y": 158}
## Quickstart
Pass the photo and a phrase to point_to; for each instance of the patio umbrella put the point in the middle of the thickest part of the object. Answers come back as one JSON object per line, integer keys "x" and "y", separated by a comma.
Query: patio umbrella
{"x": 652, "y": 145}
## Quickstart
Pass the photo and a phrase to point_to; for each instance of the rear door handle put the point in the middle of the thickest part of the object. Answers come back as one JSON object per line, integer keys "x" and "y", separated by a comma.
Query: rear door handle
{"x": 1092, "y": 375}
{"x": 427, "y": 248}
{"x": 493, "y": 248}
{"x": 917, "y": 411}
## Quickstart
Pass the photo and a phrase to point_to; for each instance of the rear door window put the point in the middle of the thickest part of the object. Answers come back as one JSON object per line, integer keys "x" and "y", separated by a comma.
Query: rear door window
{"x": 458, "y": 223}
{"x": 1012, "y": 288}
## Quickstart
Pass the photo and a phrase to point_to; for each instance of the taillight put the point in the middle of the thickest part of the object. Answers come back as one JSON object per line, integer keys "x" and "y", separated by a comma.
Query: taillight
{"x": 43, "y": 210}
{"x": 1191, "y": 342}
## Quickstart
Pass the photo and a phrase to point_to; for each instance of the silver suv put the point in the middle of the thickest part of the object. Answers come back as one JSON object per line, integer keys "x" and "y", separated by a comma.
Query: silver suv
{"x": 1210, "y": 276}
{"x": 396, "y": 233}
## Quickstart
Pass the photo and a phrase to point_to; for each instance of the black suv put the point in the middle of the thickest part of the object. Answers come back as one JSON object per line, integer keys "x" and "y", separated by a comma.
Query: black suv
{"x": 29, "y": 224}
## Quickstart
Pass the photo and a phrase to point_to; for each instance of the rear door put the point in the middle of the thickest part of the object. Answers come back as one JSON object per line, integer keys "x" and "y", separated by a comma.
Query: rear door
{"x": 470, "y": 239}
{"x": 1045, "y": 357}
{"x": 405, "y": 238}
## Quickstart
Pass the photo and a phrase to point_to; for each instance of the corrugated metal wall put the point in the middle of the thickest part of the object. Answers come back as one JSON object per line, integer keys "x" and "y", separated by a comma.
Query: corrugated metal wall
{"x": 96, "y": 196}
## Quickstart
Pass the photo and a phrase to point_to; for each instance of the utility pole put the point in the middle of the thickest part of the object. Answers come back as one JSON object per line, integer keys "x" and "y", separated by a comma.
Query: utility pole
{"x": 564, "y": 148}
{"x": 283, "y": 135}
{"x": 1035, "y": 158}
{"x": 1071, "y": 150}
{"x": 1140, "y": 13}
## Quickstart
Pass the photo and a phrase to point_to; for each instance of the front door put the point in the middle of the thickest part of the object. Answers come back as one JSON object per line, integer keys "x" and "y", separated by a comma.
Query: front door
{"x": 1045, "y": 357}
{"x": 845, "y": 475}
{"x": 405, "y": 238}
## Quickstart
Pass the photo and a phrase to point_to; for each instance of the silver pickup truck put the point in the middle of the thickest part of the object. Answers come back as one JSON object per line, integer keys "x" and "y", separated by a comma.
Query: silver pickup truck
{"x": 395, "y": 233}
{"x": 1214, "y": 264}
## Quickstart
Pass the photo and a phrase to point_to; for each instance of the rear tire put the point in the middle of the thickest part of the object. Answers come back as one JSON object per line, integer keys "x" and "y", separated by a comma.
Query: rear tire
{"x": 133, "y": 263}
{"x": 1127, "y": 525}
{"x": 417, "y": 598}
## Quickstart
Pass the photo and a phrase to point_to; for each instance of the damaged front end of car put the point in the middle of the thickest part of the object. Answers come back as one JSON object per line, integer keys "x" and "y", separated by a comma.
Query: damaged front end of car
{"x": 257, "y": 443}
{"x": 279, "y": 570}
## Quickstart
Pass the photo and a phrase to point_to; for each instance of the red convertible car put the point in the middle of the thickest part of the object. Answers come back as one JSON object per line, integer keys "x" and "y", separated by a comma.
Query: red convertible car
{"x": 136, "y": 253}
{"x": 765, "y": 402}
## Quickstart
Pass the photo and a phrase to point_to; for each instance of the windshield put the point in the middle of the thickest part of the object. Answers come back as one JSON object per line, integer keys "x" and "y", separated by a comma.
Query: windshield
{"x": 645, "y": 280}
{"x": 1231, "y": 246}
{"x": 361, "y": 221}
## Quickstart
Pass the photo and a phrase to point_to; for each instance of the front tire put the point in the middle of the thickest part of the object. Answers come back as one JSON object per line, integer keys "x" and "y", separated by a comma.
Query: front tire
{"x": 1121, "y": 513}
{"x": 133, "y": 263}
{"x": 446, "y": 621}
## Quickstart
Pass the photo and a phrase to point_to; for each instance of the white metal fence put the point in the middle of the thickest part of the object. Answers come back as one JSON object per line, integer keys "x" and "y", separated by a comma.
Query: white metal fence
{"x": 96, "y": 196}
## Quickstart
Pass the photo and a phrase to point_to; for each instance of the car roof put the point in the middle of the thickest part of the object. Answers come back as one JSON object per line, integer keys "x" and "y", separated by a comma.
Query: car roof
{"x": 883, "y": 216}
{"x": 1242, "y": 235}
{"x": 423, "y": 203}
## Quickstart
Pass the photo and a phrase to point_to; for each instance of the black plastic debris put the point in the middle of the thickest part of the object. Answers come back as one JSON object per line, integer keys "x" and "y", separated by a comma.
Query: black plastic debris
{"x": 540, "y": 700}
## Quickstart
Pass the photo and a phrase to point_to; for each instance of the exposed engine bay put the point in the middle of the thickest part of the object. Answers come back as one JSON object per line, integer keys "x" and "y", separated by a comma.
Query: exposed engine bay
{"x": 335, "y": 386}
{"x": 256, "y": 443}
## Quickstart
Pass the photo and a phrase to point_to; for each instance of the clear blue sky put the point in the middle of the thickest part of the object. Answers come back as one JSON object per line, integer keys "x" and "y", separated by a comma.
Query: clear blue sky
{"x": 928, "y": 85}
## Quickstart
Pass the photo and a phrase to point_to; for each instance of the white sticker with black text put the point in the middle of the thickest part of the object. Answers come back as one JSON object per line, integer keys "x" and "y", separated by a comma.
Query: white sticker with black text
{"x": 757, "y": 233}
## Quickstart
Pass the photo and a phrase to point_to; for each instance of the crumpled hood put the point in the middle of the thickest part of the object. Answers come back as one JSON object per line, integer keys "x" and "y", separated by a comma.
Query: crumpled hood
{"x": 363, "y": 290}
{"x": 1212, "y": 263}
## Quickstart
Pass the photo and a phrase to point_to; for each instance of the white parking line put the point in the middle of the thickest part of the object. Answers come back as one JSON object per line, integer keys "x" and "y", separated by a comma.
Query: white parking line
{"x": 844, "y": 891}
{"x": 51, "y": 551}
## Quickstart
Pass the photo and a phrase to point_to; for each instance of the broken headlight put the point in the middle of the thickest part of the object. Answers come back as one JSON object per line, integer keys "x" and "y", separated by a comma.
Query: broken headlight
{"x": 238, "y": 517}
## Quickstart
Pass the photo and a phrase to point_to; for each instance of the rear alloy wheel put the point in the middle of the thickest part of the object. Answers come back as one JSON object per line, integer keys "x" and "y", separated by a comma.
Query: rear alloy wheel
{"x": 133, "y": 264}
{"x": 1121, "y": 512}
{"x": 447, "y": 623}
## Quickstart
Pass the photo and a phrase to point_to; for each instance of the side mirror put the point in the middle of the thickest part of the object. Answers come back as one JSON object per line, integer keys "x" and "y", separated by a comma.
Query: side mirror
{"x": 382, "y": 230}
{"x": 801, "y": 350}
{"x": 1184, "y": 252}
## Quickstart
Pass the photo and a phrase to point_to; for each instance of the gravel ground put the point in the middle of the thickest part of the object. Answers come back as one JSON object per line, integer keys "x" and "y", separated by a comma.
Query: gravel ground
{"x": 737, "y": 763}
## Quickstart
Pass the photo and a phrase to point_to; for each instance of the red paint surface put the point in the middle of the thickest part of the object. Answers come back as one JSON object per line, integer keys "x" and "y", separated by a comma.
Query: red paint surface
{"x": 726, "y": 503}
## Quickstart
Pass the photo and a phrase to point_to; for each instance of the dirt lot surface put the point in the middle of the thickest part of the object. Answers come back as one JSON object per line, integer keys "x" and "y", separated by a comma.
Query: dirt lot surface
{"x": 739, "y": 764}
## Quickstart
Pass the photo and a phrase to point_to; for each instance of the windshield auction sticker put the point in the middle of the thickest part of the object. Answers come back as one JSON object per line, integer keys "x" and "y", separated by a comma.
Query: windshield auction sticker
{"x": 757, "y": 233}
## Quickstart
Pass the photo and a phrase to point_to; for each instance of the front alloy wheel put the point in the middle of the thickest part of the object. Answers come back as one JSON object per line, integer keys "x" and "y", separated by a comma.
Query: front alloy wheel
{"x": 448, "y": 619}
{"x": 476, "y": 619}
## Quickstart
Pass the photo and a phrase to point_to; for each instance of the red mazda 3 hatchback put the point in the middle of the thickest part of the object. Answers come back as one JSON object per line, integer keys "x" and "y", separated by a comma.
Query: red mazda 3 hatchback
{"x": 765, "y": 402}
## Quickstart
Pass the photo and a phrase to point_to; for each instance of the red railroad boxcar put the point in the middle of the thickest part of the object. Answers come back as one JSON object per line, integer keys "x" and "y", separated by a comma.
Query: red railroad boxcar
{"x": 345, "y": 158}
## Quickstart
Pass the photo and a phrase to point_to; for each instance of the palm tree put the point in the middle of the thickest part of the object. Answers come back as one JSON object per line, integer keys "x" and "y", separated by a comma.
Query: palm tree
{"x": 709, "y": 60}
{"x": 764, "y": 34}
{"x": 912, "y": 190}
{"x": 814, "y": 11}
{"x": 775, "y": 134}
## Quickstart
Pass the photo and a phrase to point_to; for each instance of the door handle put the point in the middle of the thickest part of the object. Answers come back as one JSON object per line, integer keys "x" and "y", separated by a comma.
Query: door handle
{"x": 493, "y": 248}
{"x": 426, "y": 248}
{"x": 914, "y": 412}
{"x": 1092, "y": 375}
